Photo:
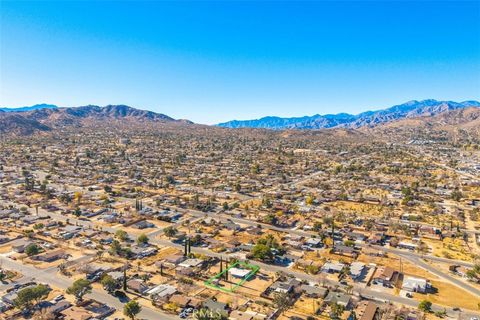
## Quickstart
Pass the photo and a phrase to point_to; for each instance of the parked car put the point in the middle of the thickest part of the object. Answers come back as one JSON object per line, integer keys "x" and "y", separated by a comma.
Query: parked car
{"x": 59, "y": 297}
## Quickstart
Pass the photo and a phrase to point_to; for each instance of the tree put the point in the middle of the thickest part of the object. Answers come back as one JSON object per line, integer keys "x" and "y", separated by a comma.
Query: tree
{"x": 262, "y": 252}
{"x": 270, "y": 219}
{"x": 349, "y": 243}
{"x": 170, "y": 231}
{"x": 349, "y": 289}
{"x": 312, "y": 269}
{"x": 328, "y": 242}
{"x": 40, "y": 292}
{"x": 78, "y": 197}
{"x": 131, "y": 309}
{"x": 394, "y": 242}
{"x": 32, "y": 249}
{"x": 109, "y": 283}
{"x": 345, "y": 271}
{"x": 441, "y": 313}
{"x": 457, "y": 195}
{"x": 62, "y": 268}
{"x": 336, "y": 310}
{"x": 425, "y": 306}
{"x": 24, "y": 299}
{"x": 170, "y": 180}
{"x": 282, "y": 301}
{"x": 80, "y": 288}
{"x": 121, "y": 235}
{"x": 38, "y": 226}
{"x": 65, "y": 198}
{"x": 309, "y": 200}
{"x": 115, "y": 248}
{"x": 422, "y": 248}
{"x": 317, "y": 226}
{"x": 142, "y": 239}
{"x": 28, "y": 296}
{"x": 471, "y": 275}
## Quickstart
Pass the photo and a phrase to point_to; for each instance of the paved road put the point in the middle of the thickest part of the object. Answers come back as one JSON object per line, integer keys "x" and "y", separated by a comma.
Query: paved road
{"x": 360, "y": 289}
{"x": 366, "y": 292}
{"x": 418, "y": 223}
{"x": 412, "y": 254}
{"x": 51, "y": 277}
{"x": 420, "y": 263}
{"x": 225, "y": 217}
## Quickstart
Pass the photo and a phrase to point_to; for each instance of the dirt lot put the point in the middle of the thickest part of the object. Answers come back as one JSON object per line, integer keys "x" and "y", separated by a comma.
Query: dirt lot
{"x": 394, "y": 262}
{"x": 449, "y": 295}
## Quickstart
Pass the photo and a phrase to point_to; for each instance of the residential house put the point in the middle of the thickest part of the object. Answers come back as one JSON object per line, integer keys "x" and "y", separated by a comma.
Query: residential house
{"x": 367, "y": 310}
{"x": 357, "y": 270}
{"x": 314, "y": 291}
{"x": 386, "y": 276}
{"x": 413, "y": 284}
{"x": 171, "y": 261}
{"x": 137, "y": 286}
{"x": 339, "y": 298}
{"x": 333, "y": 267}
{"x": 51, "y": 256}
{"x": 162, "y": 291}
{"x": 217, "y": 306}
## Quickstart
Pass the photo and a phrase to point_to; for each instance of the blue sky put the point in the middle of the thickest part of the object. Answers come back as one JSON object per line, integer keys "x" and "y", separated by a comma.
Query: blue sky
{"x": 216, "y": 61}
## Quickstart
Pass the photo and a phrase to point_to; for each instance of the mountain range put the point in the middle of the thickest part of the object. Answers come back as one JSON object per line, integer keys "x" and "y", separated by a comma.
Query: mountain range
{"x": 411, "y": 109}
{"x": 37, "y": 119}
{"x": 426, "y": 114}
{"x": 31, "y": 108}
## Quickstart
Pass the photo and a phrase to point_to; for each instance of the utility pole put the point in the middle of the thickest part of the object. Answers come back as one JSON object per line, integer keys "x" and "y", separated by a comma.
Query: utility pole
{"x": 226, "y": 270}
{"x": 124, "y": 279}
{"x": 333, "y": 232}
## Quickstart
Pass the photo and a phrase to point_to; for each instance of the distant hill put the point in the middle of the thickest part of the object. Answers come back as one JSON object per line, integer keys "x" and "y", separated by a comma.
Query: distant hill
{"x": 13, "y": 123}
{"x": 408, "y": 119}
{"x": 47, "y": 119}
{"x": 34, "y": 107}
{"x": 464, "y": 122}
{"x": 112, "y": 112}
{"x": 409, "y": 109}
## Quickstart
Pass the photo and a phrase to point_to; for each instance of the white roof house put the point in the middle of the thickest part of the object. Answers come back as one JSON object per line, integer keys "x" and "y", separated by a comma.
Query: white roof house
{"x": 239, "y": 273}
{"x": 408, "y": 245}
{"x": 162, "y": 290}
{"x": 415, "y": 284}
{"x": 191, "y": 263}
{"x": 357, "y": 269}
{"x": 313, "y": 241}
{"x": 333, "y": 267}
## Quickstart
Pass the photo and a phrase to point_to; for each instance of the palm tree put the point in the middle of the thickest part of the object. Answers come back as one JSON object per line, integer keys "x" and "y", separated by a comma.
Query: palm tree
{"x": 349, "y": 289}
